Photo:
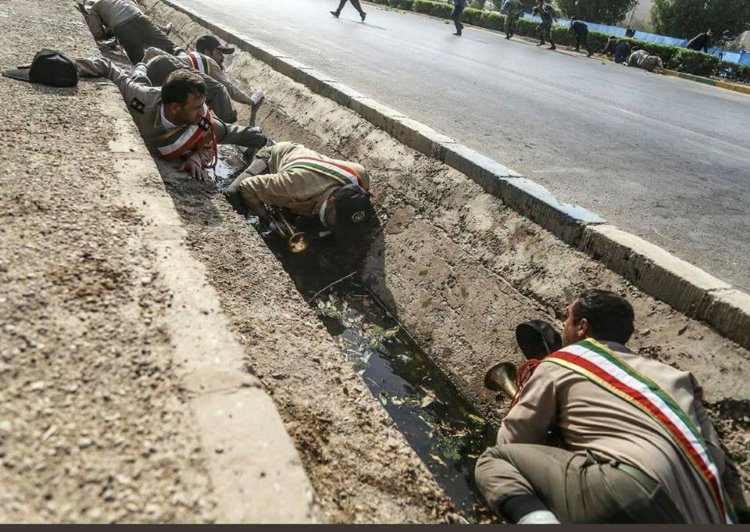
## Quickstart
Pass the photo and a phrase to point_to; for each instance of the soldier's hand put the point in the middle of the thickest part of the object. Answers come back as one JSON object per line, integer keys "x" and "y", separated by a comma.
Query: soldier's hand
{"x": 194, "y": 165}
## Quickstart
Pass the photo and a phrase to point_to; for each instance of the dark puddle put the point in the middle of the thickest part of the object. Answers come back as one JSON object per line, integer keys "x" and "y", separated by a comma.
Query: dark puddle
{"x": 443, "y": 428}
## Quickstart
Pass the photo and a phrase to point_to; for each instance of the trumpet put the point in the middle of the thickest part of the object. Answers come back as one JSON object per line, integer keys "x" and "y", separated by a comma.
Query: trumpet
{"x": 297, "y": 240}
{"x": 502, "y": 378}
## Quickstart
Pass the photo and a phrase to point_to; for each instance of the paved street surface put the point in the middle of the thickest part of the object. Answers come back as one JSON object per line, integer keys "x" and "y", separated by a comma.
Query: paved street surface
{"x": 661, "y": 157}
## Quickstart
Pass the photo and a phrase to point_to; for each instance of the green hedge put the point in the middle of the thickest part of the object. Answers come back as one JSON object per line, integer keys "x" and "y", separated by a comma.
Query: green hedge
{"x": 733, "y": 71}
{"x": 673, "y": 57}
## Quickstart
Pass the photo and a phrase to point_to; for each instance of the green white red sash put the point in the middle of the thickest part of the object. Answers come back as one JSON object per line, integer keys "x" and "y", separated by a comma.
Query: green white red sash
{"x": 182, "y": 141}
{"x": 603, "y": 367}
{"x": 338, "y": 171}
{"x": 199, "y": 62}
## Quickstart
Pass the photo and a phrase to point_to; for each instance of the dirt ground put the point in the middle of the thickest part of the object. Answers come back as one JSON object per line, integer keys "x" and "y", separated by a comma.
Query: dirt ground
{"x": 92, "y": 421}
{"x": 93, "y": 426}
{"x": 460, "y": 270}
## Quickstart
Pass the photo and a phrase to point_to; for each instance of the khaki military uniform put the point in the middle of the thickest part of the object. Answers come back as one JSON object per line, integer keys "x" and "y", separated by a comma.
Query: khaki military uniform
{"x": 300, "y": 190}
{"x": 205, "y": 66}
{"x": 145, "y": 106}
{"x": 161, "y": 65}
{"x": 616, "y": 463}
{"x": 133, "y": 29}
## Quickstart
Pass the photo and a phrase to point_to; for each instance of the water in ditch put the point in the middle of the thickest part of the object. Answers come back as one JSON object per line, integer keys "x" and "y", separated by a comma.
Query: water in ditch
{"x": 443, "y": 428}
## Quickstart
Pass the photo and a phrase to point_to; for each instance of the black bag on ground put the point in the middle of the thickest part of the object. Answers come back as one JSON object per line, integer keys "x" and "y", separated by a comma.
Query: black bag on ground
{"x": 49, "y": 67}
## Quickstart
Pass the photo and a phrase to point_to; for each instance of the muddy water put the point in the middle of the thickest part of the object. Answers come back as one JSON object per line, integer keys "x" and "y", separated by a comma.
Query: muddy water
{"x": 446, "y": 432}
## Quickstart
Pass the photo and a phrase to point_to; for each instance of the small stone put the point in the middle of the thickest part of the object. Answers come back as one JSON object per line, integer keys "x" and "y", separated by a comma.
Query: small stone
{"x": 85, "y": 442}
{"x": 39, "y": 385}
{"x": 219, "y": 450}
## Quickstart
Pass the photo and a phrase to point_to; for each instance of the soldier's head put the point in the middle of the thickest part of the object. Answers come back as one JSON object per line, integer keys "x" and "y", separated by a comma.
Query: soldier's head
{"x": 349, "y": 212}
{"x": 212, "y": 47}
{"x": 598, "y": 314}
{"x": 183, "y": 95}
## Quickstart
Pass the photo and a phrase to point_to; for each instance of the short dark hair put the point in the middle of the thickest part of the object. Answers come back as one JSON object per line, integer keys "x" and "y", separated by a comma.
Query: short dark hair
{"x": 609, "y": 314}
{"x": 573, "y": 18}
{"x": 180, "y": 84}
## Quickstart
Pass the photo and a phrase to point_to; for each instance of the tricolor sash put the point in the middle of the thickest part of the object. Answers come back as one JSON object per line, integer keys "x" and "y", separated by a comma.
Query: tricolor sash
{"x": 603, "y": 367}
{"x": 184, "y": 140}
{"x": 199, "y": 62}
{"x": 340, "y": 172}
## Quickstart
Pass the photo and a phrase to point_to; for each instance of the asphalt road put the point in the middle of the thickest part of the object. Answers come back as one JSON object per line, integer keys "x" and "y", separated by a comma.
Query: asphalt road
{"x": 661, "y": 157}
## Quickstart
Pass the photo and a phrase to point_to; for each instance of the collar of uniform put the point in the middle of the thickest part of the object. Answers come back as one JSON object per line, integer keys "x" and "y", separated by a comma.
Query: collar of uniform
{"x": 322, "y": 209}
{"x": 166, "y": 123}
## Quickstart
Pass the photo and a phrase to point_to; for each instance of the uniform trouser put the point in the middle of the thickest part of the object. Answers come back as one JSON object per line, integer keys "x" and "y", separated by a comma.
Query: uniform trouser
{"x": 355, "y": 3}
{"x": 139, "y": 33}
{"x": 456, "y": 17}
{"x": 217, "y": 97}
{"x": 545, "y": 30}
{"x": 576, "y": 488}
{"x": 583, "y": 39}
{"x": 510, "y": 25}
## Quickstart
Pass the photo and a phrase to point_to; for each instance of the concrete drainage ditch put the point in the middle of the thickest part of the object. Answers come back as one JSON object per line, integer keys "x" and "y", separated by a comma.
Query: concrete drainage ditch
{"x": 445, "y": 430}
{"x": 452, "y": 263}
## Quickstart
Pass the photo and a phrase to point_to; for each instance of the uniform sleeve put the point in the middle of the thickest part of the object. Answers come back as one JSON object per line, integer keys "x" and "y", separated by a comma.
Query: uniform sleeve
{"x": 534, "y": 414}
{"x": 131, "y": 85}
{"x": 264, "y": 188}
{"x": 235, "y": 93}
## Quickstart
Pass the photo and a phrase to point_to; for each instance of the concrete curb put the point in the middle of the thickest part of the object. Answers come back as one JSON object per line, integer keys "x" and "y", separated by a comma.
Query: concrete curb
{"x": 251, "y": 460}
{"x": 652, "y": 269}
{"x": 736, "y": 87}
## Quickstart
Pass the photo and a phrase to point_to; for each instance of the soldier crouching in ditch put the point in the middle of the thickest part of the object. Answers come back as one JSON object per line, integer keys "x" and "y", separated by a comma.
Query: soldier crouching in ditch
{"x": 288, "y": 176}
{"x": 636, "y": 444}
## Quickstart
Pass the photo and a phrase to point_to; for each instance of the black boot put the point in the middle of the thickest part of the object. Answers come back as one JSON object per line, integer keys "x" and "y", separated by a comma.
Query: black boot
{"x": 335, "y": 14}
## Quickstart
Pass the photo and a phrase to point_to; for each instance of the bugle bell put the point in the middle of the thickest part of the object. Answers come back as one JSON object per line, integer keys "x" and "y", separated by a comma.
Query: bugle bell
{"x": 297, "y": 241}
{"x": 502, "y": 378}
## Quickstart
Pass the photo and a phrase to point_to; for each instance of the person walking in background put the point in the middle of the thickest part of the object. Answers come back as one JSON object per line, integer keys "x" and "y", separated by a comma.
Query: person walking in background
{"x": 581, "y": 31}
{"x": 356, "y": 5}
{"x": 700, "y": 42}
{"x": 458, "y": 8}
{"x": 547, "y": 12}
{"x": 512, "y": 9}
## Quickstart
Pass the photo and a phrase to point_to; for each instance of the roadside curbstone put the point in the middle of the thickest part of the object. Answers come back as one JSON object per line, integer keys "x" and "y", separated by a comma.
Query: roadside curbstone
{"x": 736, "y": 87}
{"x": 656, "y": 271}
{"x": 652, "y": 269}
{"x": 422, "y": 138}
{"x": 564, "y": 220}
{"x": 729, "y": 311}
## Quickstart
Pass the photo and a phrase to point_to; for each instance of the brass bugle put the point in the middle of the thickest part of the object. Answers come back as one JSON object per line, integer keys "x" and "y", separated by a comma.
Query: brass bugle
{"x": 297, "y": 241}
{"x": 502, "y": 378}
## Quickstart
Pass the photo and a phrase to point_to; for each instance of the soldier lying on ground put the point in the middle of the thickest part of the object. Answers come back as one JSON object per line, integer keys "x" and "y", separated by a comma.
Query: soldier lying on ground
{"x": 160, "y": 64}
{"x": 174, "y": 120}
{"x": 290, "y": 176}
{"x": 642, "y": 59}
{"x": 620, "y": 48}
{"x": 134, "y": 30}
{"x": 637, "y": 443}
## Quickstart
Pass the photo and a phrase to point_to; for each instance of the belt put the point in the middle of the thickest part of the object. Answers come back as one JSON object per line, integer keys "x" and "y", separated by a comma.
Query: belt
{"x": 639, "y": 476}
